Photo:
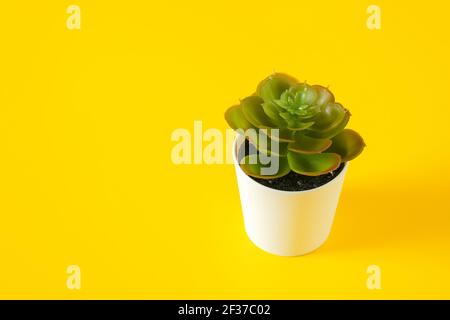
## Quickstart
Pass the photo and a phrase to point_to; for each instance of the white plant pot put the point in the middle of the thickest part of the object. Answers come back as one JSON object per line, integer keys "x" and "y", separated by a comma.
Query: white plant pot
{"x": 287, "y": 223}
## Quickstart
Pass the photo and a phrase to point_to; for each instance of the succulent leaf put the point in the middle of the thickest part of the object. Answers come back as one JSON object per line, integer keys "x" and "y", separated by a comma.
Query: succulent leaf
{"x": 305, "y": 144}
{"x": 298, "y": 126}
{"x": 305, "y": 94}
{"x": 324, "y": 95}
{"x": 332, "y": 130}
{"x": 274, "y": 85}
{"x": 236, "y": 118}
{"x": 256, "y": 169}
{"x": 254, "y": 112}
{"x": 263, "y": 143}
{"x": 313, "y": 164}
{"x": 284, "y": 135}
{"x": 330, "y": 115}
{"x": 273, "y": 111}
{"x": 348, "y": 144}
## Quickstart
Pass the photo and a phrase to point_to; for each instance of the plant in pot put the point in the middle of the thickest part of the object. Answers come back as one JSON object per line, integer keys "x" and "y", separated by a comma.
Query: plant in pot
{"x": 291, "y": 155}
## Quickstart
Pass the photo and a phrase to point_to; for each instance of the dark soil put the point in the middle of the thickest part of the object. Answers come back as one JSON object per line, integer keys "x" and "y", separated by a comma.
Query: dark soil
{"x": 298, "y": 182}
{"x": 292, "y": 181}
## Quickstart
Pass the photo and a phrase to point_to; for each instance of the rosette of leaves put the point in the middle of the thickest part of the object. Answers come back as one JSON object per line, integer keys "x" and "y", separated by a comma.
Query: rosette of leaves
{"x": 312, "y": 138}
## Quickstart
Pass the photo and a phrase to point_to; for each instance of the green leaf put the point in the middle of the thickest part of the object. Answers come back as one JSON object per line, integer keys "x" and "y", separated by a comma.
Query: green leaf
{"x": 305, "y": 94}
{"x": 274, "y": 85}
{"x": 256, "y": 169}
{"x": 264, "y": 144}
{"x": 329, "y": 116}
{"x": 331, "y": 131}
{"x": 313, "y": 164}
{"x": 273, "y": 112}
{"x": 298, "y": 126}
{"x": 348, "y": 144}
{"x": 284, "y": 134}
{"x": 254, "y": 112}
{"x": 324, "y": 95}
{"x": 305, "y": 144}
{"x": 236, "y": 118}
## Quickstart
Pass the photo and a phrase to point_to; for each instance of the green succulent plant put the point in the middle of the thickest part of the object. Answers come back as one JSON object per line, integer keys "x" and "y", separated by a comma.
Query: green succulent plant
{"x": 311, "y": 135}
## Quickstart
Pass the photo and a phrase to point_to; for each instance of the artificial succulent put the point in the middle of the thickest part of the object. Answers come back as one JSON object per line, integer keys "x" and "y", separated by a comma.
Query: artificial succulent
{"x": 311, "y": 136}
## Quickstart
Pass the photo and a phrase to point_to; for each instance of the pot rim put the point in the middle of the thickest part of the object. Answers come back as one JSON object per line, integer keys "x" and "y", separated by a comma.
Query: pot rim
{"x": 236, "y": 163}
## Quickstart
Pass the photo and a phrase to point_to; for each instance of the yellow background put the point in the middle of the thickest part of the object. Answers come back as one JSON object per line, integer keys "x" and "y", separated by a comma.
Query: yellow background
{"x": 86, "y": 176}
